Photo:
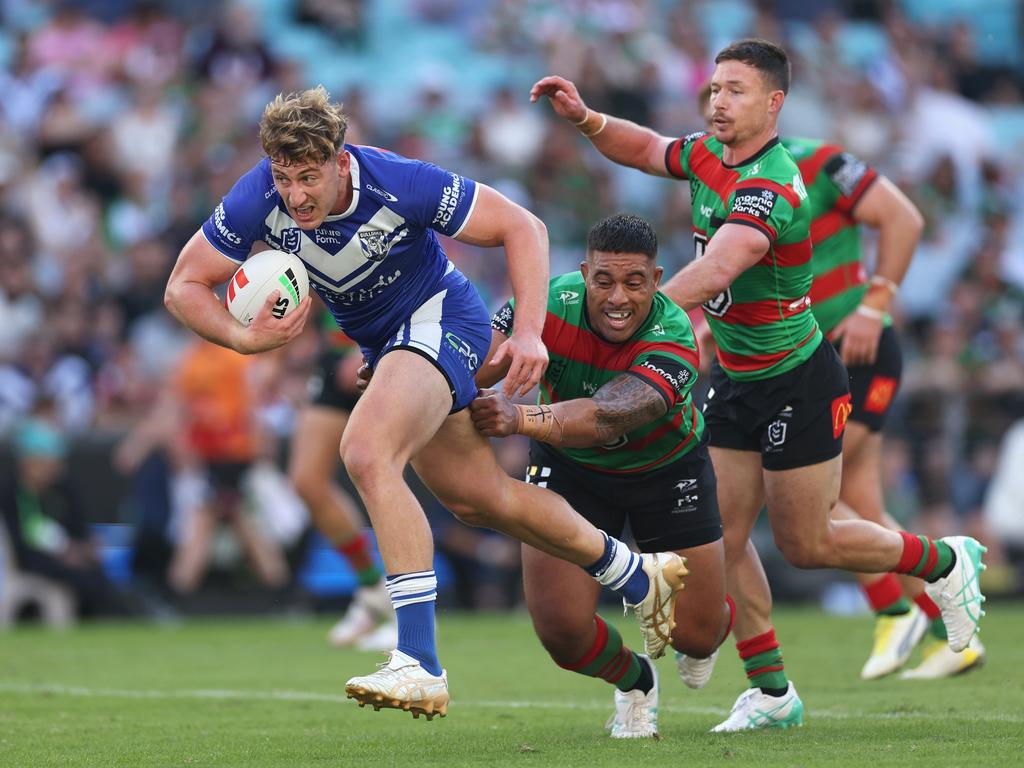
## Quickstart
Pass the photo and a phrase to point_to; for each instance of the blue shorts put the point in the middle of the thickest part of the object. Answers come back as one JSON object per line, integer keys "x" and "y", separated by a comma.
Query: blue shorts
{"x": 452, "y": 329}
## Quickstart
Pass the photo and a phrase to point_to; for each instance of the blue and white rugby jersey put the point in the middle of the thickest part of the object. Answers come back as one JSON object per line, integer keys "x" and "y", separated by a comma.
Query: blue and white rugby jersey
{"x": 377, "y": 262}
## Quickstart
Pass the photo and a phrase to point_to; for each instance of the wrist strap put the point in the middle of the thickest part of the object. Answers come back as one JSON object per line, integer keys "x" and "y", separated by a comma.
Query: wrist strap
{"x": 884, "y": 282}
{"x": 538, "y": 422}
{"x": 584, "y": 128}
{"x": 874, "y": 314}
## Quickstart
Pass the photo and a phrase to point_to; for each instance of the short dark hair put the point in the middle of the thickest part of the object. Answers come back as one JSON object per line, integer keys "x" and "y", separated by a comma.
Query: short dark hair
{"x": 623, "y": 233}
{"x": 770, "y": 59}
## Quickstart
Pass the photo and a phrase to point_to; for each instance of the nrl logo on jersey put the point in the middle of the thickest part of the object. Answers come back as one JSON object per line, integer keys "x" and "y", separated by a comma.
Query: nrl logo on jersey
{"x": 569, "y": 297}
{"x": 376, "y": 243}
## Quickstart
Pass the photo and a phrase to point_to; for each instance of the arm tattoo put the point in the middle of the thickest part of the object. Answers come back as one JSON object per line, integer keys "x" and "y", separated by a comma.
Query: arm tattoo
{"x": 624, "y": 403}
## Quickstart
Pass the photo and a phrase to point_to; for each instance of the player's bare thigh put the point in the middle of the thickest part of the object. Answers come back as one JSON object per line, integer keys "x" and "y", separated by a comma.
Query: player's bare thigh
{"x": 459, "y": 466}
{"x": 404, "y": 406}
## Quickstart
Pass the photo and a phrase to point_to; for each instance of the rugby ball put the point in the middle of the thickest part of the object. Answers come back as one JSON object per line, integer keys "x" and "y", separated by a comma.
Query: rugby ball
{"x": 261, "y": 275}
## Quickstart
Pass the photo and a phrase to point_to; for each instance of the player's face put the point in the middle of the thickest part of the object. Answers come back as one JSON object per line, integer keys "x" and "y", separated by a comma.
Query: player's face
{"x": 742, "y": 105}
{"x": 620, "y": 290}
{"x": 311, "y": 190}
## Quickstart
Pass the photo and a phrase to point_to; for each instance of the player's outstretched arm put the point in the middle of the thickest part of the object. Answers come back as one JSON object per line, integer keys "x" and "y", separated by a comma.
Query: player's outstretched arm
{"x": 621, "y": 141}
{"x": 496, "y": 220}
{"x": 734, "y": 249}
{"x": 623, "y": 404}
{"x": 189, "y": 297}
{"x": 885, "y": 208}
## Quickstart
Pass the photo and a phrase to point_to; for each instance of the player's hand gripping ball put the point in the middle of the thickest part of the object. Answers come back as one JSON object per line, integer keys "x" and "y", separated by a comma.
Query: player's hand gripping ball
{"x": 261, "y": 275}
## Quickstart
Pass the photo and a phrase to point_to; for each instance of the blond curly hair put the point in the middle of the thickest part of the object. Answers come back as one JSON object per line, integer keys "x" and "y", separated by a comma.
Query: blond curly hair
{"x": 301, "y": 127}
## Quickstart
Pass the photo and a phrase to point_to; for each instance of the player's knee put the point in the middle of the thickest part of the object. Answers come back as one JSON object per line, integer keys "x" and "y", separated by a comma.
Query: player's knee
{"x": 368, "y": 466}
{"x": 698, "y": 636}
{"x": 475, "y": 504}
{"x": 805, "y": 553}
{"x": 696, "y": 640}
{"x": 467, "y": 513}
{"x": 305, "y": 482}
{"x": 560, "y": 639}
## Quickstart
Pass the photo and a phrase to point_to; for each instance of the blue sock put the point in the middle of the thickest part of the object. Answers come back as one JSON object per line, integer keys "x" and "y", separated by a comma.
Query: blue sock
{"x": 414, "y": 596}
{"x": 620, "y": 569}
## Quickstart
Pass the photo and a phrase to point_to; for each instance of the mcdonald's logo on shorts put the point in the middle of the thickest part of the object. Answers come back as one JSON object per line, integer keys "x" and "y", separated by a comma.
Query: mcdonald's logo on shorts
{"x": 841, "y": 408}
{"x": 880, "y": 394}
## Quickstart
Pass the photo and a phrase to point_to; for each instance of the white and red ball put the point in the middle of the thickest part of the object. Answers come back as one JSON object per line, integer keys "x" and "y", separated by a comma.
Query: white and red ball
{"x": 261, "y": 275}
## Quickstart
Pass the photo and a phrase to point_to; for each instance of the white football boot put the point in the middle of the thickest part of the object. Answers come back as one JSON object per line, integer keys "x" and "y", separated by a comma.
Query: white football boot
{"x": 695, "y": 673}
{"x": 369, "y": 609}
{"x": 636, "y": 712}
{"x": 755, "y": 710}
{"x": 402, "y": 683}
{"x": 958, "y": 595}
{"x": 383, "y": 638}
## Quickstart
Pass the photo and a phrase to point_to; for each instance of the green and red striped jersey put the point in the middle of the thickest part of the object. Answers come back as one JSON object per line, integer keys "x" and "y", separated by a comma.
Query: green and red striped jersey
{"x": 835, "y": 182}
{"x": 762, "y": 323}
{"x": 663, "y": 352}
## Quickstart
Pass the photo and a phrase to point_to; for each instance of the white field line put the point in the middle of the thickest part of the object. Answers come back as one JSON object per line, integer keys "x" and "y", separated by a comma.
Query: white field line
{"x": 56, "y": 689}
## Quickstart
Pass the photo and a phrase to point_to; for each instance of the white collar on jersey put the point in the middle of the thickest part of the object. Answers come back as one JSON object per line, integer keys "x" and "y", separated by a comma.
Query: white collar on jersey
{"x": 353, "y": 170}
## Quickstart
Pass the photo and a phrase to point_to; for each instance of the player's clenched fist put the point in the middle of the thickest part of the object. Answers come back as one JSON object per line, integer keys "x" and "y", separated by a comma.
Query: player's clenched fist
{"x": 493, "y": 415}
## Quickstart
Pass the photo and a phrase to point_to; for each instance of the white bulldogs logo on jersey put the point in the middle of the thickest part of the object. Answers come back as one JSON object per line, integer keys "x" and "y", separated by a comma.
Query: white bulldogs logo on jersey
{"x": 376, "y": 243}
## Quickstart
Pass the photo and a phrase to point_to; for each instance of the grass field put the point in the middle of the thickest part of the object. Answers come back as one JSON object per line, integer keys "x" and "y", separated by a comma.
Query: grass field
{"x": 269, "y": 693}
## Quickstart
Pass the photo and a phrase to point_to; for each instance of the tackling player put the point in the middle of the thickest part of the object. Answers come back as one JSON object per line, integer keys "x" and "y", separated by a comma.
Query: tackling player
{"x": 623, "y": 442}
{"x": 364, "y": 222}
{"x": 779, "y": 399}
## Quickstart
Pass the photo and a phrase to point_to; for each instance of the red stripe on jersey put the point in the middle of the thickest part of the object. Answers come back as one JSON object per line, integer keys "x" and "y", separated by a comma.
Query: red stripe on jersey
{"x": 652, "y": 437}
{"x": 758, "y": 183}
{"x": 241, "y": 278}
{"x": 581, "y": 346}
{"x": 811, "y": 166}
{"x": 746, "y": 218}
{"x": 835, "y": 281}
{"x": 658, "y": 381}
{"x": 789, "y": 255}
{"x": 755, "y": 313}
{"x": 826, "y": 225}
{"x": 708, "y": 168}
{"x": 736, "y": 362}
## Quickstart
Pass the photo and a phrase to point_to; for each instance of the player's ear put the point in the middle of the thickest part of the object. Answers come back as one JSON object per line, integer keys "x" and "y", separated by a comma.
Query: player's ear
{"x": 585, "y": 269}
{"x": 658, "y": 272}
{"x": 775, "y": 100}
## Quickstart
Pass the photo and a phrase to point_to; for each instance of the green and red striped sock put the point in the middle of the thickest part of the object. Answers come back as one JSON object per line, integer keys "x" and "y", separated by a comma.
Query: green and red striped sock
{"x": 359, "y": 554}
{"x": 923, "y": 557}
{"x": 885, "y": 595}
{"x": 610, "y": 660}
{"x": 936, "y": 626}
{"x": 762, "y": 661}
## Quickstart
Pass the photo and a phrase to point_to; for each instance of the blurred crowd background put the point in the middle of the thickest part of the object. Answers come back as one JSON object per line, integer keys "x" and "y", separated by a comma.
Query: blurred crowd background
{"x": 123, "y": 123}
